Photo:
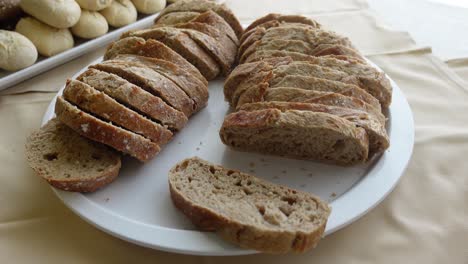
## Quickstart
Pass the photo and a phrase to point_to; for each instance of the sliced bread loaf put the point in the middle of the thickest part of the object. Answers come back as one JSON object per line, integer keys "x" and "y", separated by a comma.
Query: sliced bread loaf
{"x": 151, "y": 81}
{"x": 378, "y": 138}
{"x": 211, "y": 18}
{"x": 201, "y": 6}
{"x": 104, "y": 132}
{"x": 194, "y": 89}
{"x": 331, "y": 50}
{"x": 99, "y": 104}
{"x": 153, "y": 49}
{"x": 245, "y": 210}
{"x": 134, "y": 97}
{"x": 68, "y": 161}
{"x": 182, "y": 44}
{"x": 296, "y": 134}
{"x": 176, "y": 17}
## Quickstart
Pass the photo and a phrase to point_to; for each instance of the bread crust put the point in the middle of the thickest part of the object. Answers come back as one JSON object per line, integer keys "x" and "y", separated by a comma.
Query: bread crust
{"x": 283, "y": 18}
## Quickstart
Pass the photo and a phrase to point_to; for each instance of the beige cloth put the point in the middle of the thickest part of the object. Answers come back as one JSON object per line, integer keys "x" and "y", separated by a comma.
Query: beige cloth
{"x": 460, "y": 67}
{"x": 424, "y": 220}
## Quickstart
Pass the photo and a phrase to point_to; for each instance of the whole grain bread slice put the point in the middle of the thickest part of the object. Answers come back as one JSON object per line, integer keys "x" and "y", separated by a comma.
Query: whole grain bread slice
{"x": 324, "y": 85}
{"x": 68, "y": 161}
{"x": 297, "y": 134}
{"x": 271, "y": 24}
{"x": 211, "y": 18}
{"x": 215, "y": 42}
{"x": 95, "y": 129}
{"x": 153, "y": 49}
{"x": 134, "y": 97}
{"x": 288, "y": 94}
{"x": 378, "y": 138}
{"x": 99, "y": 104}
{"x": 203, "y": 6}
{"x": 283, "y": 18}
{"x": 176, "y": 18}
{"x": 321, "y": 50}
{"x": 194, "y": 89}
{"x": 151, "y": 81}
{"x": 290, "y": 38}
{"x": 245, "y": 210}
{"x": 183, "y": 44}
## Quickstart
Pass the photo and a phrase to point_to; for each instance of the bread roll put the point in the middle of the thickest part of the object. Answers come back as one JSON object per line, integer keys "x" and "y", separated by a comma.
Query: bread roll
{"x": 91, "y": 25}
{"x": 94, "y": 5}
{"x": 16, "y": 51}
{"x": 120, "y": 13}
{"x": 59, "y": 14}
{"x": 48, "y": 40}
{"x": 149, "y": 6}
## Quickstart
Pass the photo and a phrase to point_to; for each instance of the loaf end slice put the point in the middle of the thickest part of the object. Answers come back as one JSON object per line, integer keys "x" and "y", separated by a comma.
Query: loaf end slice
{"x": 68, "y": 161}
{"x": 245, "y": 210}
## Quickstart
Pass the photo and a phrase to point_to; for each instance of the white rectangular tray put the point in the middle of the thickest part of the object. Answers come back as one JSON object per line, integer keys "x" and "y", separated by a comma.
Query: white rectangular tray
{"x": 8, "y": 79}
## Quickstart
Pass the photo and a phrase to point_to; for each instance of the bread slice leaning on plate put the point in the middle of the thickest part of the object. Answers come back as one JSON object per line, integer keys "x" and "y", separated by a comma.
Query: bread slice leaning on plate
{"x": 68, "y": 161}
{"x": 245, "y": 210}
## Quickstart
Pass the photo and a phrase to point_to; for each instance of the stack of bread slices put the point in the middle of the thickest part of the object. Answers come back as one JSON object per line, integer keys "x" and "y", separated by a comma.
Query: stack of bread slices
{"x": 305, "y": 92}
{"x": 148, "y": 85}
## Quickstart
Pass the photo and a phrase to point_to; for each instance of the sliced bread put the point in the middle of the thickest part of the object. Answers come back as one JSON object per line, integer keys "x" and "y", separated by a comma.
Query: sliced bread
{"x": 245, "y": 210}
{"x": 151, "y": 81}
{"x": 283, "y": 18}
{"x": 211, "y": 18}
{"x": 176, "y": 18}
{"x": 134, "y": 97}
{"x": 203, "y": 6}
{"x": 378, "y": 138}
{"x": 297, "y": 134}
{"x": 100, "y": 104}
{"x": 153, "y": 49}
{"x": 183, "y": 44}
{"x": 331, "y": 50}
{"x": 68, "y": 161}
{"x": 194, "y": 89}
{"x": 93, "y": 128}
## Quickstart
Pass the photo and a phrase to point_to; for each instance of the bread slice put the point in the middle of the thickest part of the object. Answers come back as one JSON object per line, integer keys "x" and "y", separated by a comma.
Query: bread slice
{"x": 242, "y": 74}
{"x": 324, "y": 85}
{"x": 99, "y": 104}
{"x": 153, "y": 49}
{"x": 211, "y": 18}
{"x": 134, "y": 97}
{"x": 288, "y": 94}
{"x": 282, "y": 18}
{"x": 151, "y": 81}
{"x": 297, "y": 134}
{"x": 68, "y": 161}
{"x": 183, "y": 44}
{"x": 378, "y": 138}
{"x": 290, "y": 38}
{"x": 194, "y": 89}
{"x": 216, "y": 43}
{"x": 275, "y": 23}
{"x": 329, "y": 50}
{"x": 245, "y": 210}
{"x": 176, "y": 18}
{"x": 203, "y": 6}
{"x": 93, "y": 128}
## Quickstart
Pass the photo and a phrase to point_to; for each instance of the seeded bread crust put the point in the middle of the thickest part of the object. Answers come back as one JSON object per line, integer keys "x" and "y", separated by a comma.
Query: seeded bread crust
{"x": 177, "y": 17}
{"x": 68, "y": 161}
{"x": 99, "y": 104}
{"x": 259, "y": 215}
{"x": 134, "y": 97}
{"x": 151, "y": 81}
{"x": 378, "y": 138}
{"x": 194, "y": 89}
{"x": 95, "y": 129}
{"x": 183, "y": 44}
{"x": 203, "y": 6}
{"x": 297, "y": 134}
{"x": 153, "y": 49}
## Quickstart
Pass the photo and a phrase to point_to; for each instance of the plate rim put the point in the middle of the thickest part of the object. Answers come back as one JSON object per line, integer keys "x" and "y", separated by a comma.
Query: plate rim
{"x": 393, "y": 163}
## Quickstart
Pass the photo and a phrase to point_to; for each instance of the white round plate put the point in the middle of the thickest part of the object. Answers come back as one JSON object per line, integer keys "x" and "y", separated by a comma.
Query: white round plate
{"x": 137, "y": 207}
